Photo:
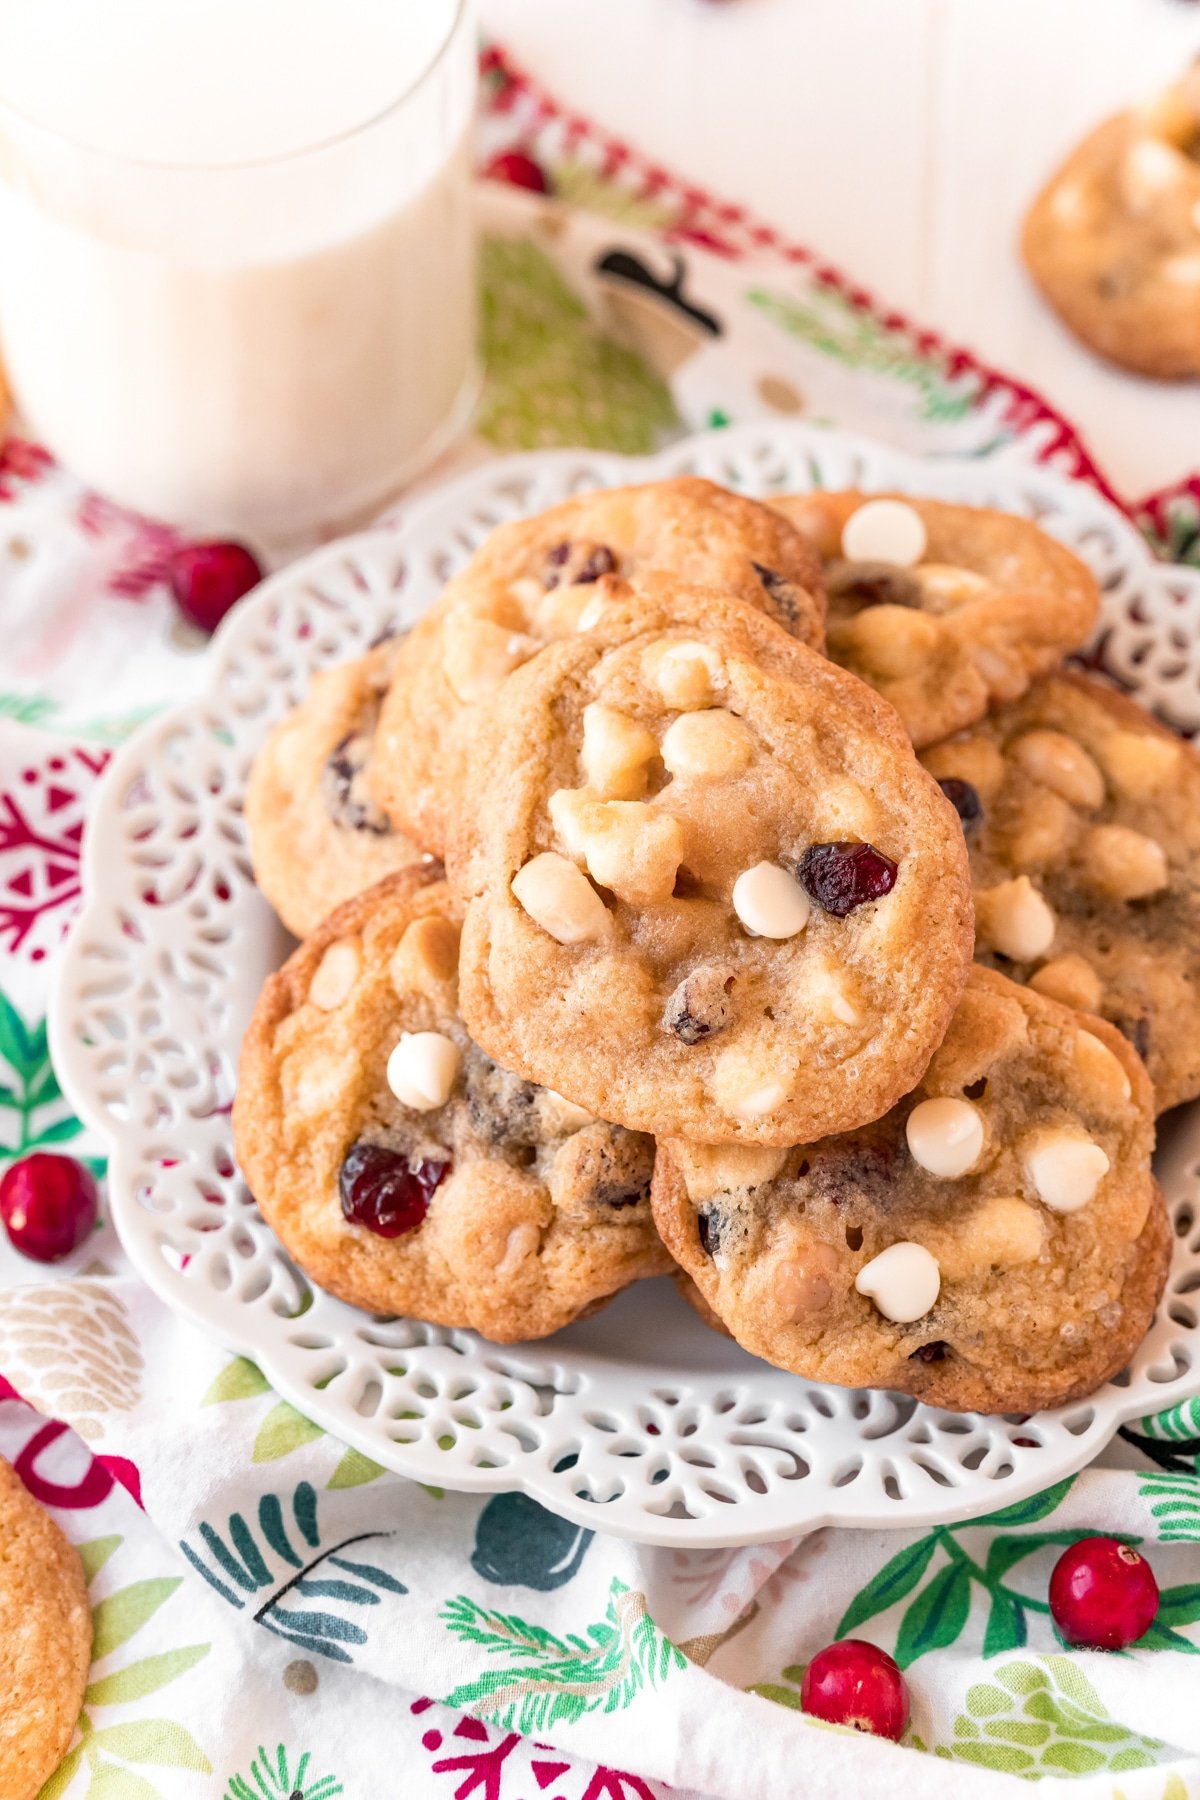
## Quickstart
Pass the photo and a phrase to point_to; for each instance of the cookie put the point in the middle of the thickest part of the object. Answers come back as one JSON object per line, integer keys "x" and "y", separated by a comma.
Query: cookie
{"x": 1113, "y": 239}
{"x": 995, "y": 1243}
{"x": 945, "y": 610}
{"x": 533, "y": 582}
{"x": 318, "y": 834}
{"x": 710, "y": 892}
{"x": 1082, "y": 820}
{"x": 400, "y": 1166}
{"x": 45, "y": 1641}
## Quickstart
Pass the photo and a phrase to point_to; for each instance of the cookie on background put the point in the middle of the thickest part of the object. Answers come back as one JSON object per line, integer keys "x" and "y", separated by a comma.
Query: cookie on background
{"x": 400, "y": 1166}
{"x": 709, "y": 891}
{"x": 1082, "y": 821}
{"x": 945, "y": 610}
{"x": 995, "y": 1243}
{"x": 45, "y": 1641}
{"x": 1113, "y": 239}
{"x": 318, "y": 834}
{"x": 534, "y": 581}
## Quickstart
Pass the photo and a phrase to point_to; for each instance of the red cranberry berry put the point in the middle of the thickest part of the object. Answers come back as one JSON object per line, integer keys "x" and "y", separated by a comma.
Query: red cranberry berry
{"x": 519, "y": 169}
{"x": 840, "y": 877}
{"x": 855, "y": 1683}
{"x": 964, "y": 799}
{"x": 49, "y": 1206}
{"x": 1103, "y": 1595}
{"x": 207, "y": 579}
{"x": 382, "y": 1190}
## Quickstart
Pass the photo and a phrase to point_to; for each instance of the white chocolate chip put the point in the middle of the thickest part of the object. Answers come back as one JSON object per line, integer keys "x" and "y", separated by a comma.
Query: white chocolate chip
{"x": 560, "y": 898}
{"x": 1125, "y": 864}
{"x": 568, "y": 809}
{"x": 945, "y": 1136}
{"x": 592, "y": 613}
{"x": 632, "y": 848}
{"x": 425, "y": 961}
{"x": 527, "y": 592}
{"x": 1139, "y": 763}
{"x": 769, "y": 902}
{"x": 336, "y": 974}
{"x": 823, "y": 992}
{"x": 421, "y": 1069}
{"x": 565, "y": 1115}
{"x": 998, "y": 1232}
{"x": 888, "y": 531}
{"x": 616, "y": 753}
{"x": 804, "y": 1284}
{"x": 903, "y": 1281}
{"x": 1065, "y": 1168}
{"x": 686, "y": 675}
{"x": 1014, "y": 919}
{"x": 1101, "y": 1068}
{"x": 478, "y": 655}
{"x": 1150, "y": 169}
{"x": 1183, "y": 270}
{"x": 519, "y": 1245}
{"x": 976, "y": 760}
{"x": 710, "y": 1169}
{"x": 1062, "y": 765}
{"x": 707, "y": 745}
{"x": 561, "y": 609}
{"x": 747, "y": 1085}
{"x": 1071, "y": 980}
{"x": 944, "y": 586}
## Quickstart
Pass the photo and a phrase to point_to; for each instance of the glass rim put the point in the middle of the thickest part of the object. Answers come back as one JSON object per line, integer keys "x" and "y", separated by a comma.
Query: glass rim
{"x": 165, "y": 166}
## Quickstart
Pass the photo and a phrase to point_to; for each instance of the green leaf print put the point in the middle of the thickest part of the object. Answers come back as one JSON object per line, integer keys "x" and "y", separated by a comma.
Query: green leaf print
{"x": 239, "y": 1380}
{"x": 553, "y": 377}
{"x": 39, "y": 1116}
{"x": 282, "y": 1431}
{"x": 108, "y": 1749}
{"x": 1041, "y": 1718}
{"x": 896, "y": 1579}
{"x": 1006, "y": 1627}
{"x": 549, "y": 1678}
{"x": 355, "y": 1470}
{"x": 277, "y": 1778}
{"x": 1031, "y": 1510}
{"x": 936, "y": 1616}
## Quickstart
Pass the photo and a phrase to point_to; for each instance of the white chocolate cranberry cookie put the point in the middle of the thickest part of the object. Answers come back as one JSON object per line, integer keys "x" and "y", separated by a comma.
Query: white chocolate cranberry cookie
{"x": 45, "y": 1641}
{"x": 1113, "y": 240}
{"x": 535, "y": 581}
{"x": 944, "y": 610}
{"x": 710, "y": 891}
{"x": 318, "y": 834}
{"x": 996, "y": 1243}
{"x": 401, "y": 1167}
{"x": 1082, "y": 820}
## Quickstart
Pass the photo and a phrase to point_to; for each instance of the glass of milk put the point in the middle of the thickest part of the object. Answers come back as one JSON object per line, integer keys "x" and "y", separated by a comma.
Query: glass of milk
{"x": 237, "y": 285}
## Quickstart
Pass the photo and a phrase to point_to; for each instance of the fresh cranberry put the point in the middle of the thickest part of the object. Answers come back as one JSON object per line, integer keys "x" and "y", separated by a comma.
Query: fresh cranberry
{"x": 207, "y": 579}
{"x": 49, "y": 1205}
{"x": 1103, "y": 1595}
{"x": 964, "y": 799}
{"x": 519, "y": 169}
{"x": 856, "y": 1683}
{"x": 840, "y": 877}
{"x": 383, "y": 1191}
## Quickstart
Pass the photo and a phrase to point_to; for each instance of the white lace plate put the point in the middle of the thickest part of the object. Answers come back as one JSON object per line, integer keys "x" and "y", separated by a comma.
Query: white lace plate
{"x": 639, "y": 1421}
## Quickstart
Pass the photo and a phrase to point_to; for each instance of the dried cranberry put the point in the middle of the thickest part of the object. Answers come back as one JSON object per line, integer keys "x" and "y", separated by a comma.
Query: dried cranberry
{"x": 784, "y": 598}
{"x": 519, "y": 169}
{"x": 382, "y": 1190}
{"x": 871, "y": 584}
{"x": 574, "y": 565}
{"x": 840, "y": 877}
{"x": 964, "y": 799}
{"x": 927, "y": 1353}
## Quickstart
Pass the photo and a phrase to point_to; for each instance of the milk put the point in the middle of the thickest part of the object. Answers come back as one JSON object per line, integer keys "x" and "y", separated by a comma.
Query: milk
{"x": 236, "y": 268}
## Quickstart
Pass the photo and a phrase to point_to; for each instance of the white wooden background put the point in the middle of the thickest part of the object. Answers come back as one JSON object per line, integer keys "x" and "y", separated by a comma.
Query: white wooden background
{"x": 901, "y": 138}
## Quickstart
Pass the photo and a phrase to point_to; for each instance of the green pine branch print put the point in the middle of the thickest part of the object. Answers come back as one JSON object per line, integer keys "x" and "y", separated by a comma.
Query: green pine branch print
{"x": 276, "y": 1778}
{"x": 38, "y": 1116}
{"x": 106, "y": 1750}
{"x": 828, "y": 322}
{"x": 549, "y": 1678}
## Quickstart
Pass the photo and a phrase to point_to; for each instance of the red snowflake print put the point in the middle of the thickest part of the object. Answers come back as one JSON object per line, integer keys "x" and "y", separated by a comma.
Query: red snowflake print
{"x": 137, "y": 552}
{"x": 41, "y": 833}
{"x": 503, "y": 1767}
{"x": 21, "y": 464}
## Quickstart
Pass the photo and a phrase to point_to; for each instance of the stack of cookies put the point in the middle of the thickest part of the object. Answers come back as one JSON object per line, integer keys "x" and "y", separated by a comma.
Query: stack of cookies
{"x": 744, "y": 891}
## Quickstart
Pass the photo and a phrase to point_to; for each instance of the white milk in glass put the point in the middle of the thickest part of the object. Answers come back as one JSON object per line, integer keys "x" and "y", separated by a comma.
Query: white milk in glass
{"x": 236, "y": 258}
